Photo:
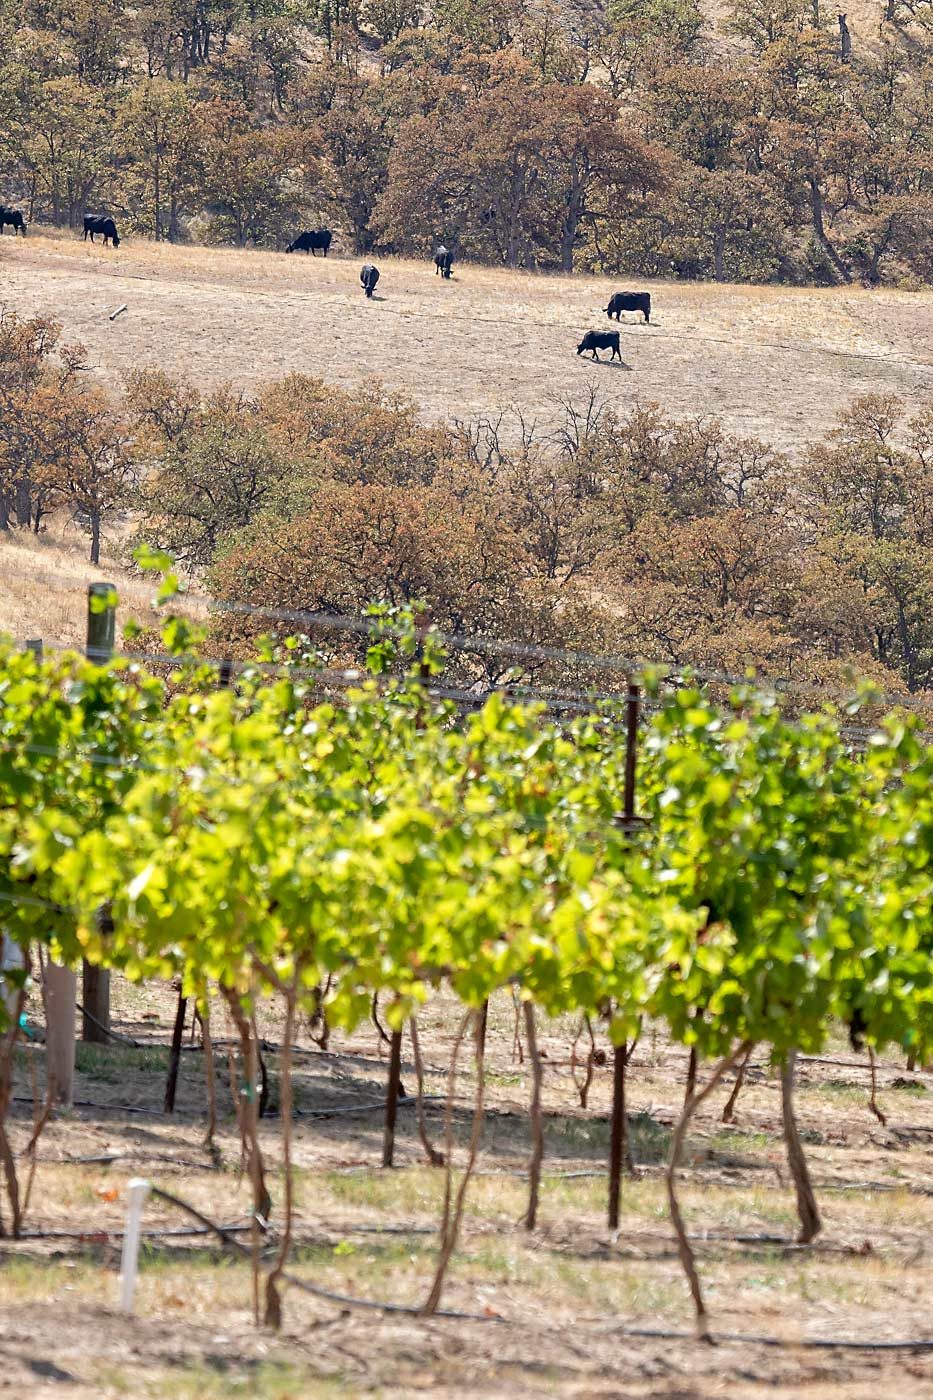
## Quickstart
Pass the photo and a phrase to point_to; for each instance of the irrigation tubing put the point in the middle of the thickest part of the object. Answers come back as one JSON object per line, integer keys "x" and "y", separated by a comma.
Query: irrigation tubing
{"x": 228, "y": 1233}
{"x": 920, "y": 1344}
{"x": 93, "y": 1236}
{"x": 114, "y": 1035}
{"x": 341, "y": 1299}
{"x": 338, "y": 1110}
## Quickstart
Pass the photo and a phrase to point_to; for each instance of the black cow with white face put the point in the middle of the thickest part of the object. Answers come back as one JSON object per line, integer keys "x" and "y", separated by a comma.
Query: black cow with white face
{"x": 14, "y": 218}
{"x": 369, "y": 276}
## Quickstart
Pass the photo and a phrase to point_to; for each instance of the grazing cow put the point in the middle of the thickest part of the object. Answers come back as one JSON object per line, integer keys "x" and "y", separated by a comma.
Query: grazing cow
{"x": 443, "y": 260}
{"x": 369, "y": 276}
{"x": 101, "y": 223}
{"x": 629, "y": 301}
{"x": 601, "y": 340}
{"x": 14, "y": 218}
{"x": 310, "y": 241}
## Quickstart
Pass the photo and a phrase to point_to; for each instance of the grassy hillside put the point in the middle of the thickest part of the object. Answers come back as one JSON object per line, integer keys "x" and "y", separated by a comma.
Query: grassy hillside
{"x": 774, "y": 362}
{"x": 43, "y": 586}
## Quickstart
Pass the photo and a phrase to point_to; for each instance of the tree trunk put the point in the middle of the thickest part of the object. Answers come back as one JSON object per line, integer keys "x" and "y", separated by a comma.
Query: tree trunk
{"x": 691, "y": 1073}
{"x": 453, "y": 1207}
{"x": 728, "y": 1113}
{"x": 719, "y": 253}
{"x": 816, "y": 215}
{"x": 95, "y": 536}
{"x": 157, "y": 196}
{"x": 620, "y": 1153}
{"x": 24, "y": 503}
{"x": 273, "y": 1313}
{"x": 684, "y": 1249}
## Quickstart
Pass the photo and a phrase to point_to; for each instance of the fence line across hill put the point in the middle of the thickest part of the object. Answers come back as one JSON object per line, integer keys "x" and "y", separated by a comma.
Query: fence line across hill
{"x": 623, "y": 666}
{"x": 655, "y": 328}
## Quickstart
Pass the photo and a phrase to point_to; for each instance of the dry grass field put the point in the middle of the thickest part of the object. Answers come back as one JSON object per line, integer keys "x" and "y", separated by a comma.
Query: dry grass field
{"x": 43, "y": 585}
{"x": 569, "y": 1310}
{"x": 774, "y": 362}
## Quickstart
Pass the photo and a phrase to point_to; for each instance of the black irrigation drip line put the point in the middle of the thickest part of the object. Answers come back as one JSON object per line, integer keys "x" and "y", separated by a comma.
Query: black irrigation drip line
{"x": 343, "y": 1299}
{"x": 782, "y": 1343}
{"x": 106, "y": 1233}
{"x": 136, "y": 1154}
{"x": 339, "y": 1110}
{"x": 653, "y": 1172}
{"x": 120, "y": 1108}
{"x": 856, "y": 1064}
{"x": 329, "y": 1111}
{"x": 107, "y": 1030}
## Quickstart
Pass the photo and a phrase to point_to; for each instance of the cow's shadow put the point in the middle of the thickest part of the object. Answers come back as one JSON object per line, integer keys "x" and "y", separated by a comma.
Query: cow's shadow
{"x": 374, "y": 298}
{"x": 609, "y": 364}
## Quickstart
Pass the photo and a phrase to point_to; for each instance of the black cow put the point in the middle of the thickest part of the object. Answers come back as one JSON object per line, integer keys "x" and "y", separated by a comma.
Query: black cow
{"x": 14, "y": 218}
{"x": 443, "y": 260}
{"x": 310, "y": 241}
{"x": 601, "y": 340}
{"x": 101, "y": 223}
{"x": 629, "y": 301}
{"x": 369, "y": 276}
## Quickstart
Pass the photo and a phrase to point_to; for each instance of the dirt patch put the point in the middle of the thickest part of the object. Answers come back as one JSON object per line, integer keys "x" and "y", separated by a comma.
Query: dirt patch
{"x": 570, "y": 1310}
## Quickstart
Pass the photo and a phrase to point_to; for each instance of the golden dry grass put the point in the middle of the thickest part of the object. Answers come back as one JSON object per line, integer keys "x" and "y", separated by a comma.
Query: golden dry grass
{"x": 43, "y": 585}
{"x": 774, "y": 362}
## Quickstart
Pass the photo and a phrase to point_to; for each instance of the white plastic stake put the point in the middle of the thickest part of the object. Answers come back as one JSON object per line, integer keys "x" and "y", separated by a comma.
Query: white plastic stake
{"x": 136, "y": 1192}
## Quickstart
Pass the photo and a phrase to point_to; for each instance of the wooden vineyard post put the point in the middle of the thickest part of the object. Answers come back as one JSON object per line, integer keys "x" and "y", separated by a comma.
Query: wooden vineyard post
{"x": 101, "y": 622}
{"x": 174, "y": 1058}
{"x": 59, "y": 994}
{"x": 61, "y": 986}
{"x": 392, "y": 1091}
{"x": 618, "y": 1149}
{"x": 95, "y": 996}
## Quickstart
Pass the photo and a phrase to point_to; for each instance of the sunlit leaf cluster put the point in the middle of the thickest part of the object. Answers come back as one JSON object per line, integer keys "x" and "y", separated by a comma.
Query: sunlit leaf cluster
{"x": 391, "y": 843}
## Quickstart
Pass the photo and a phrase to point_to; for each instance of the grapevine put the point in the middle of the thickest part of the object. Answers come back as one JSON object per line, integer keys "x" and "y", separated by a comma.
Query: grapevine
{"x": 270, "y": 845}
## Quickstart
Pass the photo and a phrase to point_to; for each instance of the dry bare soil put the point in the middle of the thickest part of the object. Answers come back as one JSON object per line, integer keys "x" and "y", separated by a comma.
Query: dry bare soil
{"x": 774, "y": 362}
{"x": 570, "y": 1310}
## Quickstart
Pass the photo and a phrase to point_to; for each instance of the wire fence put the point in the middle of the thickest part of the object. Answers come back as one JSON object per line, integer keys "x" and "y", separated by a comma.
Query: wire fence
{"x": 479, "y": 644}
